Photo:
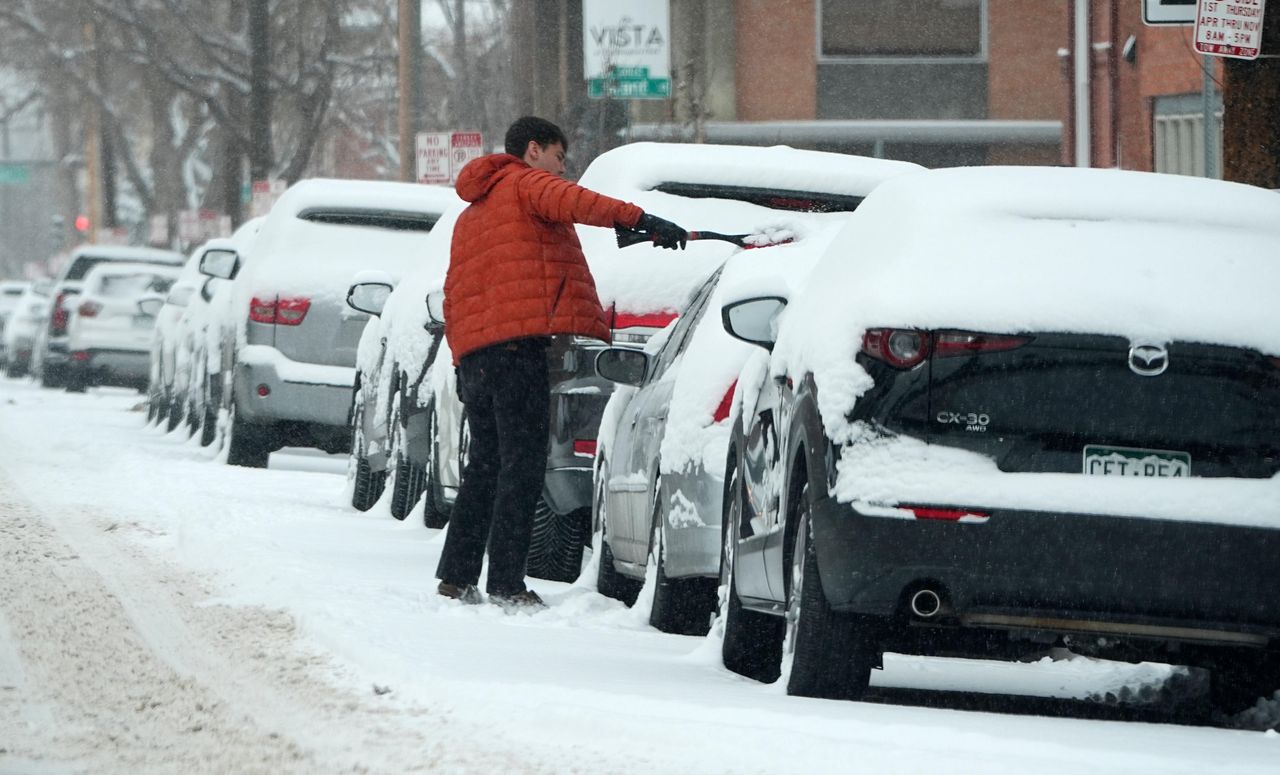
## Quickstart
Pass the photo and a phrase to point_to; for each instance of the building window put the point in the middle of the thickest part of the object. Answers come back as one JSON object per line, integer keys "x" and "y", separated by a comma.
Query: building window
{"x": 927, "y": 29}
{"x": 1178, "y": 135}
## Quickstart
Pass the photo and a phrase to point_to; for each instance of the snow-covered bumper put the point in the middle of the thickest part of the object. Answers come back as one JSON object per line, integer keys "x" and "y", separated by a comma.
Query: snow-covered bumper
{"x": 111, "y": 365}
{"x": 270, "y": 388}
{"x": 1161, "y": 579}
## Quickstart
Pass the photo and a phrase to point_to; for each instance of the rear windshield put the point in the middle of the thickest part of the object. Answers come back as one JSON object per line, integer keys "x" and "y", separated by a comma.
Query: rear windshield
{"x": 773, "y": 198}
{"x": 81, "y": 266}
{"x": 11, "y": 291}
{"x": 398, "y": 220}
{"x": 123, "y": 286}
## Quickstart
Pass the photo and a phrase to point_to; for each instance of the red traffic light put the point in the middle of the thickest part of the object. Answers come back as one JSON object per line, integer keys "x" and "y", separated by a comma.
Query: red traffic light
{"x": 82, "y": 223}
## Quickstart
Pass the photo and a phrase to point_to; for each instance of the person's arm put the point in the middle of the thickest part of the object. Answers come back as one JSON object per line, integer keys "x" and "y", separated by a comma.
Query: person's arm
{"x": 556, "y": 199}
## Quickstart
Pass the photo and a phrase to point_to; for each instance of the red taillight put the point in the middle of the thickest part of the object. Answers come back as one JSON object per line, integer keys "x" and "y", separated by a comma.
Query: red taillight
{"x": 584, "y": 447}
{"x": 290, "y": 312}
{"x": 948, "y": 515}
{"x": 264, "y": 390}
{"x": 80, "y": 356}
{"x": 898, "y": 347}
{"x": 726, "y": 403}
{"x": 651, "y": 320}
{"x": 262, "y": 310}
{"x": 950, "y": 343}
{"x": 58, "y": 321}
{"x": 88, "y": 309}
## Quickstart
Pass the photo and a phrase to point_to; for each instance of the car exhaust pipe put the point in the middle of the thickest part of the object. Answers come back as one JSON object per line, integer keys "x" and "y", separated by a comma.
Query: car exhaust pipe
{"x": 926, "y": 604}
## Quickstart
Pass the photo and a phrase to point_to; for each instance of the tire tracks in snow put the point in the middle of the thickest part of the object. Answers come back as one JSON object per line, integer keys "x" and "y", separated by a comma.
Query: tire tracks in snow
{"x": 112, "y": 664}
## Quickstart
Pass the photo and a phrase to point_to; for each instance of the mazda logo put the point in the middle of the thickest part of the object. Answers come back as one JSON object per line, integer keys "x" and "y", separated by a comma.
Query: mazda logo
{"x": 1148, "y": 360}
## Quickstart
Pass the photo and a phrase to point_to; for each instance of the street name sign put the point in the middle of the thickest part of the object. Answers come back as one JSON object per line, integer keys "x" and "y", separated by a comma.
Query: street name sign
{"x": 626, "y": 50}
{"x": 1230, "y": 28}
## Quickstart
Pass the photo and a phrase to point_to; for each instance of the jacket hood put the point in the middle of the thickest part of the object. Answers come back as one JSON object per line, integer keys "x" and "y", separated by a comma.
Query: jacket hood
{"x": 482, "y": 174}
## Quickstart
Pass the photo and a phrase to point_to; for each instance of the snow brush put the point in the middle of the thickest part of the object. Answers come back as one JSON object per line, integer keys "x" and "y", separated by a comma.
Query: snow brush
{"x": 628, "y": 237}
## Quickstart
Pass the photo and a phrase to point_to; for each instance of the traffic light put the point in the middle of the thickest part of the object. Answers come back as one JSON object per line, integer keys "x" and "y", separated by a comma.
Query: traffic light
{"x": 82, "y": 223}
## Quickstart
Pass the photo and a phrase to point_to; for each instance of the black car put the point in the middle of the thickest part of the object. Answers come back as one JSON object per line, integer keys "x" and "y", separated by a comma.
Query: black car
{"x": 1057, "y": 479}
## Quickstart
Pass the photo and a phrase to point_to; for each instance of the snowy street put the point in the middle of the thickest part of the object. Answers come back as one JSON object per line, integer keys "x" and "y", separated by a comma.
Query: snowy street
{"x": 163, "y": 612}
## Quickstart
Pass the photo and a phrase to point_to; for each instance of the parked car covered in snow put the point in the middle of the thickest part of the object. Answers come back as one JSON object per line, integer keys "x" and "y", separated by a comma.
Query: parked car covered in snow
{"x": 665, "y": 435}
{"x": 1034, "y": 406}
{"x": 109, "y": 336}
{"x": 167, "y": 389}
{"x": 49, "y": 352}
{"x": 295, "y": 338}
{"x": 28, "y": 316}
{"x": 10, "y": 294}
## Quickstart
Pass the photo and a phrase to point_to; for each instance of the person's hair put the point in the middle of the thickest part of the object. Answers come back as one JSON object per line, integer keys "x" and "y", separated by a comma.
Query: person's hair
{"x": 539, "y": 130}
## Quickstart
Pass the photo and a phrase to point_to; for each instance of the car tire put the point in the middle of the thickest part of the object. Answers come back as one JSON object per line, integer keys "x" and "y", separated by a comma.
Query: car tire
{"x": 752, "y": 644}
{"x": 680, "y": 606}
{"x": 209, "y": 419}
{"x": 52, "y": 377}
{"x": 75, "y": 382}
{"x": 1236, "y": 684}
{"x": 435, "y": 510}
{"x": 249, "y": 445}
{"x": 367, "y": 484}
{"x": 609, "y": 582}
{"x": 832, "y": 654}
{"x": 555, "y": 551}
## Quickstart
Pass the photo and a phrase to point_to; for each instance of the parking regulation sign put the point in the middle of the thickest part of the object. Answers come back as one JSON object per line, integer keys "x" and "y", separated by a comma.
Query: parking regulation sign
{"x": 1161, "y": 12}
{"x": 1230, "y": 28}
{"x": 442, "y": 155}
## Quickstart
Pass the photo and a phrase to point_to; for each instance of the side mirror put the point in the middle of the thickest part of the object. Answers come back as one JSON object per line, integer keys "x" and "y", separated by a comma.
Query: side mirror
{"x": 754, "y": 321}
{"x": 369, "y": 297}
{"x": 622, "y": 365}
{"x": 150, "y": 306}
{"x": 435, "y": 309}
{"x": 220, "y": 263}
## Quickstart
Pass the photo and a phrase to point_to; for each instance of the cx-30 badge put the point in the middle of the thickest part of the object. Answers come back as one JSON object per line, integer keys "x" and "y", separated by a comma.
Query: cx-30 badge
{"x": 1148, "y": 360}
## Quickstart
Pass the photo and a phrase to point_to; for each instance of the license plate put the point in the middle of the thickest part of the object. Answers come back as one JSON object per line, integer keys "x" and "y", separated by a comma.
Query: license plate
{"x": 1127, "y": 461}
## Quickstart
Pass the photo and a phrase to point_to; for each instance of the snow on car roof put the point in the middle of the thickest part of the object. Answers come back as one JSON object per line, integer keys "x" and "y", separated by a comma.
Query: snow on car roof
{"x": 121, "y": 252}
{"x": 1151, "y": 257}
{"x": 321, "y": 257}
{"x": 641, "y": 279}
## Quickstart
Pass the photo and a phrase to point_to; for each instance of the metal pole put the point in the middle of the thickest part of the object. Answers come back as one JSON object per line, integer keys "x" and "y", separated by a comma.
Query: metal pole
{"x": 1210, "y": 132}
{"x": 91, "y": 155}
{"x": 1083, "y": 61}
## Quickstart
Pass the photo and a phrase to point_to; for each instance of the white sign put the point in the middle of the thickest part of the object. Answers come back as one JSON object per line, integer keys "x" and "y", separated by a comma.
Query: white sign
{"x": 264, "y": 196}
{"x": 626, "y": 50}
{"x": 442, "y": 155}
{"x": 1230, "y": 28}
{"x": 433, "y": 157}
{"x": 1158, "y": 12}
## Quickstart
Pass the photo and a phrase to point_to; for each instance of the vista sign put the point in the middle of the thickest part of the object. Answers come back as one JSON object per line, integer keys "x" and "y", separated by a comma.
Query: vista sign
{"x": 626, "y": 49}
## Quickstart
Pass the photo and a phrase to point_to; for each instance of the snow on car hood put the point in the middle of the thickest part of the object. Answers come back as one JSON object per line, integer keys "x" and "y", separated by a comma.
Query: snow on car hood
{"x": 642, "y": 279}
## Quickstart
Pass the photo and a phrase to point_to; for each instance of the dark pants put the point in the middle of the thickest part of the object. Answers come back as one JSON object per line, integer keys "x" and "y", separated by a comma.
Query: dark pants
{"x": 508, "y": 399}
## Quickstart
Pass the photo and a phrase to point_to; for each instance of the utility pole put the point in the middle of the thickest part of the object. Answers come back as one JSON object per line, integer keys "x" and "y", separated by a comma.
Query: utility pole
{"x": 408, "y": 20}
{"x": 91, "y": 161}
{"x": 1250, "y": 108}
{"x": 261, "y": 156}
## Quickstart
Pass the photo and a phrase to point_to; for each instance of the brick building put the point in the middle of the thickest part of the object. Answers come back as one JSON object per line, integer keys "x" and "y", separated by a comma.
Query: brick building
{"x": 939, "y": 82}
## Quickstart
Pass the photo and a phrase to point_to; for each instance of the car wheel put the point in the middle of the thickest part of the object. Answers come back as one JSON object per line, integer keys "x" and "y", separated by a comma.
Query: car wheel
{"x": 752, "y": 643}
{"x": 368, "y": 485}
{"x": 1236, "y": 684}
{"x": 681, "y": 606}
{"x": 75, "y": 382}
{"x": 435, "y": 511}
{"x": 609, "y": 582}
{"x": 407, "y": 487}
{"x": 831, "y": 654}
{"x": 555, "y": 551}
{"x": 209, "y": 418}
{"x": 51, "y": 376}
{"x": 249, "y": 445}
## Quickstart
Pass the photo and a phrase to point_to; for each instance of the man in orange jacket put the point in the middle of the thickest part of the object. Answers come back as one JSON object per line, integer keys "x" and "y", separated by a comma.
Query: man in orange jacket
{"x": 516, "y": 277}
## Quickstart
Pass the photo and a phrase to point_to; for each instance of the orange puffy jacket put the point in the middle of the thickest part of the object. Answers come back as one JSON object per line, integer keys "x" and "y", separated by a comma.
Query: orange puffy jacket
{"x": 516, "y": 268}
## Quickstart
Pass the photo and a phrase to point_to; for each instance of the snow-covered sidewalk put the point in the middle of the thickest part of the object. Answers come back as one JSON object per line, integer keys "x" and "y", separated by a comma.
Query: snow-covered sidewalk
{"x": 161, "y": 612}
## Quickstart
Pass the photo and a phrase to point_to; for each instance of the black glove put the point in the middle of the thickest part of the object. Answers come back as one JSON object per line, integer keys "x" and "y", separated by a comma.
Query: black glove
{"x": 664, "y": 234}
